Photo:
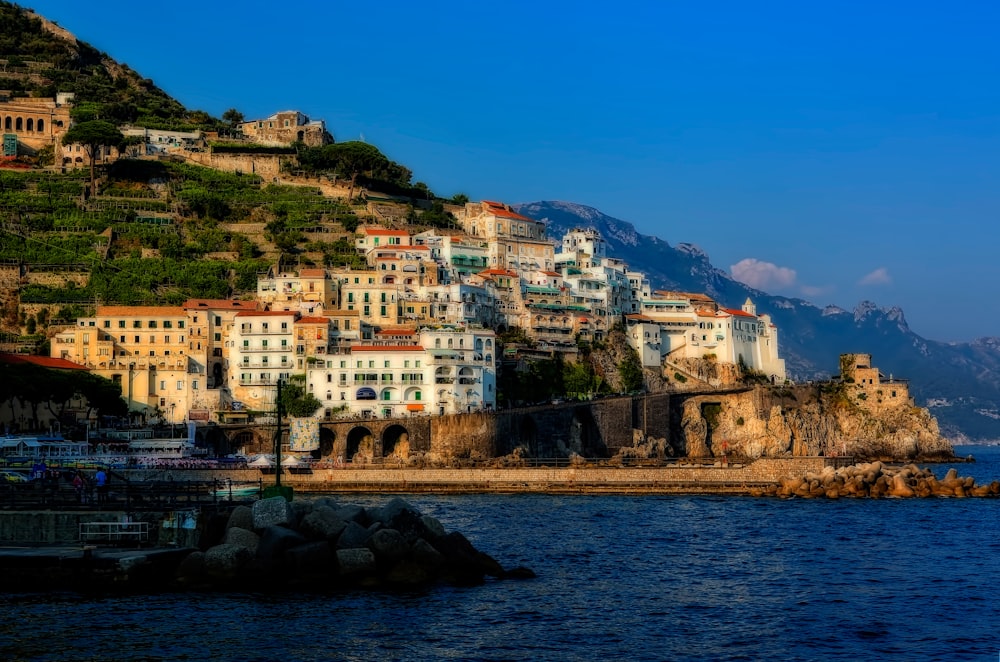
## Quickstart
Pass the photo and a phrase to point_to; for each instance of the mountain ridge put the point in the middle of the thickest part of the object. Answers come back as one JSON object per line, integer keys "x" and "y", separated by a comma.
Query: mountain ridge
{"x": 959, "y": 381}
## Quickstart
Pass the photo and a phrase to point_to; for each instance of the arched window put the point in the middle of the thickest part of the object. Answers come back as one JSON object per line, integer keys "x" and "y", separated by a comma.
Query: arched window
{"x": 18, "y": 124}
{"x": 41, "y": 125}
{"x": 6, "y": 123}
{"x": 451, "y": 343}
{"x": 31, "y": 124}
{"x": 437, "y": 343}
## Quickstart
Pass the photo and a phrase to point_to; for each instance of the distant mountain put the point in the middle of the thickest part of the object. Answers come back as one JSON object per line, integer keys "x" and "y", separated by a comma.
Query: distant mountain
{"x": 959, "y": 382}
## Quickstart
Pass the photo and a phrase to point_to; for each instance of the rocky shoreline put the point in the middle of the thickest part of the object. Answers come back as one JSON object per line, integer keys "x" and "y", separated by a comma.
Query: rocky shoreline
{"x": 322, "y": 545}
{"x": 876, "y": 480}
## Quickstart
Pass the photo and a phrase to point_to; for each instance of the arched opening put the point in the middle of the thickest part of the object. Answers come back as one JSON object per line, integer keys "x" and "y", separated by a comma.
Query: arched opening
{"x": 243, "y": 443}
{"x": 18, "y": 124}
{"x": 396, "y": 442}
{"x": 41, "y": 125}
{"x": 6, "y": 123}
{"x": 327, "y": 438}
{"x": 30, "y": 125}
{"x": 300, "y": 136}
{"x": 360, "y": 444}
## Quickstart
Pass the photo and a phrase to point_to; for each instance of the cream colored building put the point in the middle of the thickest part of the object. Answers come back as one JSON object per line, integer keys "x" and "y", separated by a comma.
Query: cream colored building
{"x": 516, "y": 242}
{"x": 145, "y": 349}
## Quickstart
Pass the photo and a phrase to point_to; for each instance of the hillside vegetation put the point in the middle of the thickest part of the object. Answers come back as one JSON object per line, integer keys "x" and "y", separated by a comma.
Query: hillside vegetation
{"x": 37, "y": 58}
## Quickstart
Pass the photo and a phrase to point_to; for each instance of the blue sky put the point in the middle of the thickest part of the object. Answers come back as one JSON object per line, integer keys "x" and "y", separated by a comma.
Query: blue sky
{"x": 835, "y": 152}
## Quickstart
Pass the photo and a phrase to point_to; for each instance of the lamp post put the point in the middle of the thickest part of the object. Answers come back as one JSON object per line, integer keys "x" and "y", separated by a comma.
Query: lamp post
{"x": 173, "y": 406}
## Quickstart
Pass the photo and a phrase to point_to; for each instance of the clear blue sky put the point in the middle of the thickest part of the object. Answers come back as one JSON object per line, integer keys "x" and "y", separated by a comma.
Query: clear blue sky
{"x": 837, "y": 152}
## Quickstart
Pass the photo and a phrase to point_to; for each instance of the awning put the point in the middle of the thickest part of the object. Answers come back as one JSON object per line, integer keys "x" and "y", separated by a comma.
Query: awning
{"x": 414, "y": 407}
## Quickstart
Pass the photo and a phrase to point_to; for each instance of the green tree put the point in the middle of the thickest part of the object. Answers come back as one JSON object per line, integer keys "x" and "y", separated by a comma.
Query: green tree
{"x": 233, "y": 118}
{"x": 93, "y": 135}
{"x": 631, "y": 371}
{"x": 294, "y": 399}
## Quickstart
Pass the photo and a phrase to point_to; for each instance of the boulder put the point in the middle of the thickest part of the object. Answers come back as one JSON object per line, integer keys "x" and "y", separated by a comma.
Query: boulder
{"x": 354, "y": 562}
{"x": 426, "y": 555}
{"x": 322, "y": 524}
{"x": 899, "y": 488}
{"x": 311, "y": 559}
{"x": 433, "y": 526}
{"x": 223, "y": 562}
{"x": 354, "y": 536}
{"x": 407, "y": 572}
{"x": 353, "y": 514}
{"x": 191, "y": 568}
{"x": 241, "y": 517}
{"x": 274, "y": 511}
{"x": 464, "y": 563}
{"x": 275, "y": 540}
{"x": 387, "y": 513}
{"x": 243, "y": 538}
{"x": 388, "y": 546}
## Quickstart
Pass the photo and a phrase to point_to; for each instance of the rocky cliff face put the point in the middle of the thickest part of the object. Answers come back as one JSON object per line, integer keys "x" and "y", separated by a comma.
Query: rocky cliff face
{"x": 804, "y": 420}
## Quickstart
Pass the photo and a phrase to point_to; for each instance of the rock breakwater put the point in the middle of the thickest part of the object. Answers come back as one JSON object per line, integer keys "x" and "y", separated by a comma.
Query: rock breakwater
{"x": 876, "y": 480}
{"x": 323, "y": 545}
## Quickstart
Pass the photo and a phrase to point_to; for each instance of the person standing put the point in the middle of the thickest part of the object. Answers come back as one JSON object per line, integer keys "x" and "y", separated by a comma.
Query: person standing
{"x": 101, "y": 482}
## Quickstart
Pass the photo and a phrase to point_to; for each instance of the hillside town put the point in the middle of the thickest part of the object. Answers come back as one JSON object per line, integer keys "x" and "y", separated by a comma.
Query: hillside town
{"x": 414, "y": 332}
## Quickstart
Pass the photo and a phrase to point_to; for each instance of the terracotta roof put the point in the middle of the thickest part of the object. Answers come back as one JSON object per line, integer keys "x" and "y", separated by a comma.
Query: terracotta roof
{"x": 140, "y": 311}
{"x": 498, "y": 209}
{"x": 312, "y": 273}
{"x": 41, "y": 362}
{"x": 387, "y": 348}
{"x": 738, "y": 313}
{"x": 224, "y": 304}
{"x": 639, "y": 318}
{"x": 266, "y": 313}
{"x": 402, "y": 331}
{"x": 498, "y": 272}
{"x": 313, "y": 320}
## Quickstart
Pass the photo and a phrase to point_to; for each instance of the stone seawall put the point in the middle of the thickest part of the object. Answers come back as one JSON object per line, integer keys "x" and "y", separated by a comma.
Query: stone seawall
{"x": 678, "y": 479}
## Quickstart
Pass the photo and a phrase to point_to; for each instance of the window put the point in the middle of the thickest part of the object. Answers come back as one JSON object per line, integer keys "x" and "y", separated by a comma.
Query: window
{"x": 417, "y": 363}
{"x": 107, "y": 324}
{"x": 416, "y": 395}
{"x": 180, "y": 385}
{"x": 152, "y": 324}
{"x": 371, "y": 364}
{"x": 385, "y": 364}
{"x": 218, "y": 337}
{"x": 194, "y": 384}
{"x": 121, "y": 324}
{"x": 168, "y": 324}
{"x": 163, "y": 385}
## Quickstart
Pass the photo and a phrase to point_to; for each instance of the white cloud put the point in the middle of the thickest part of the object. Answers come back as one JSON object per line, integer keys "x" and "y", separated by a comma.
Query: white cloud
{"x": 762, "y": 275}
{"x": 878, "y": 277}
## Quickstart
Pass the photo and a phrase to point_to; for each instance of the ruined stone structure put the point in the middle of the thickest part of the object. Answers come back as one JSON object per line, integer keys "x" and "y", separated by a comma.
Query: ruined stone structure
{"x": 35, "y": 123}
{"x": 286, "y": 127}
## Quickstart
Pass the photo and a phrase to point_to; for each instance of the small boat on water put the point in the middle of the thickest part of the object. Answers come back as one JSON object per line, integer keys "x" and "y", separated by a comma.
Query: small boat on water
{"x": 237, "y": 491}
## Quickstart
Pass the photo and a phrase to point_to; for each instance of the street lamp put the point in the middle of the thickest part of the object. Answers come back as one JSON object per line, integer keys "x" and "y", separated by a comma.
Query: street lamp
{"x": 173, "y": 405}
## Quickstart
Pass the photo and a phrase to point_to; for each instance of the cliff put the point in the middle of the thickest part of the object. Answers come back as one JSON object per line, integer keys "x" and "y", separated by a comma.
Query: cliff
{"x": 827, "y": 419}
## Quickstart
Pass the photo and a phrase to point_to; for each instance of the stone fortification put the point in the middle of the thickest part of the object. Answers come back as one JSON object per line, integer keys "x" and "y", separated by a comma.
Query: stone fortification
{"x": 808, "y": 420}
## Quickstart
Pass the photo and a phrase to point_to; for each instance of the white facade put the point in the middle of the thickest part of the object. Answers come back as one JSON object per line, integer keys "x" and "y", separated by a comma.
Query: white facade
{"x": 261, "y": 352}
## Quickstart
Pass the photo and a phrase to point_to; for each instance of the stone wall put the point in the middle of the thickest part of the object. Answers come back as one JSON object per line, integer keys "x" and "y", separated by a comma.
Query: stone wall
{"x": 267, "y": 166}
{"x": 678, "y": 478}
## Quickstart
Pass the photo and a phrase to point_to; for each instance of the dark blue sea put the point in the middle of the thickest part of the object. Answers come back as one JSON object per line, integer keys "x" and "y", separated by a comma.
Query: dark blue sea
{"x": 619, "y": 578}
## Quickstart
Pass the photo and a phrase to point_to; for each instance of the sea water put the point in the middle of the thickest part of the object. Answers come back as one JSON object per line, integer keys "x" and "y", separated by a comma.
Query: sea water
{"x": 619, "y": 578}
